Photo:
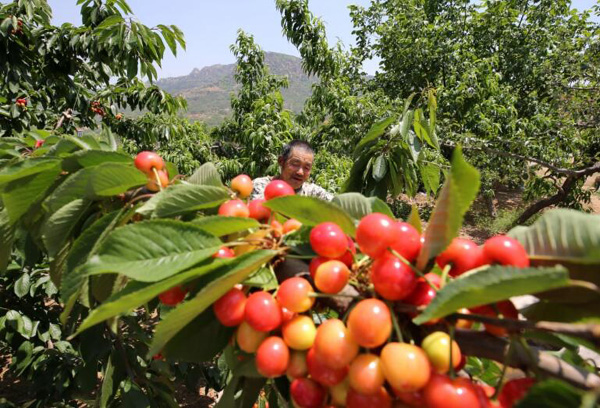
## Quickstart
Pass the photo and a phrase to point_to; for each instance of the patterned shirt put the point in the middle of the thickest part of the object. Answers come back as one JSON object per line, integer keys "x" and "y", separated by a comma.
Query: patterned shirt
{"x": 307, "y": 189}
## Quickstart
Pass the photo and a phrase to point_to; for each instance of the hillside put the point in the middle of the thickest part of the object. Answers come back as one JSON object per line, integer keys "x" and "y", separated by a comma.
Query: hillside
{"x": 208, "y": 90}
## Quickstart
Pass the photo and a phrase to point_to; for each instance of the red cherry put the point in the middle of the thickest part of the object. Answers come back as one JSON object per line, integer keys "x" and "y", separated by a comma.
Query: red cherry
{"x": 272, "y": 357}
{"x": 39, "y": 143}
{"x": 172, "y": 296}
{"x": 463, "y": 255}
{"x": 152, "y": 185}
{"x": 257, "y": 210}
{"x": 307, "y": 393}
{"x": 392, "y": 278}
{"x": 276, "y": 228}
{"x": 407, "y": 241}
{"x": 375, "y": 233}
{"x": 442, "y": 392}
{"x": 320, "y": 372}
{"x": 263, "y": 312}
{"x": 412, "y": 399}
{"x": 331, "y": 277}
{"x": 224, "y": 252}
{"x": 370, "y": 323}
{"x": 229, "y": 308}
{"x": 505, "y": 250}
{"x": 327, "y": 239}
{"x": 505, "y": 308}
{"x": 242, "y": 184}
{"x": 278, "y": 188}
{"x": 291, "y": 225}
{"x": 146, "y": 161}
{"x": 380, "y": 399}
{"x": 514, "y": 390}
{"x": 234, "y": 208}
{"x": 423, "y": 294}
{"x": 286, "y": 315}
{"x": 294, "y": 294}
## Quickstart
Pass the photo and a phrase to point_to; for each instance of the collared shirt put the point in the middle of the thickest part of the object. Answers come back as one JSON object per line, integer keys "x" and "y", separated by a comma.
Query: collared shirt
{"x": 307, "y": 189}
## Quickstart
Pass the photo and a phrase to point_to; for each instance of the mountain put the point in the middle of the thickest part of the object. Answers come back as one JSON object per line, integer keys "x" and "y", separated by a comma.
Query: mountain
{"x": 208, "y": 90}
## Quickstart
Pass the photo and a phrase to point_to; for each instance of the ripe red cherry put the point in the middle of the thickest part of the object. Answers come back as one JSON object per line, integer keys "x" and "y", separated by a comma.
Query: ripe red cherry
{"x": 262, "y": 312}
{"x": 334, "y": 344}
{"x": 327, "y": 239}
{"x": 505, "y": 250}
{"x": 229, "y": 308}
{"x": 278, "y": 188}
{"x": 320, "y": 372}
{"x": 365, "y": 374}
{"x": 39, "y": 143}
{"x": 172, "y": 296}
{"x": 375, "y": 233}
{"x": 331, "y": 277}
{"x": 423, "y": 293}
{"x": 307, "y": 393}
{"x": 514, "y": 390}
{"x": 249, "y": 339}
{"x": 276, "y": 228}
{"x": 152, "y": 184}
{"x": 411, "y": 399}
{"x": 370, "y": 323}
{"x": 272, "y": 357}
{"x": 504, "y": 308}
{"x": 299, "y": 333}
{"x": 380, "y": 399}
{"x": 234, "y": 208}
{"x": 392, "y": 278}
{"x": 293, "y": 294}
{"x": 224, "y": 252}
{"x": 146, "y": 161}
{"x": 257, "y": 210}
{"x": 286, "y": 315}
{"x": 291, "y": 225}
{"x": 242, "y": 184}
{"x": 405, "y": 366}
{"x": 442, "y": 392}
{"x": 407, "y": 241}
{"x": 463, "y": 255}
{"x": 297, "y": 367}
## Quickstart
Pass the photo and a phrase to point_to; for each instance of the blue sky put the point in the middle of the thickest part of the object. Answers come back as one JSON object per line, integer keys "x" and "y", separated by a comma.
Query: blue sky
{"x": 210, "y": 26}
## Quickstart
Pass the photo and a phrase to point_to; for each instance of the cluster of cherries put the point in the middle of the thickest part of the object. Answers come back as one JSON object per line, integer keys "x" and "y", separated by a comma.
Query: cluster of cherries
{"x": 153, "y": 166}
{"x": 97, "y": 108}
{"x": 19, "y": 29}
{"x": 21, "y": 103}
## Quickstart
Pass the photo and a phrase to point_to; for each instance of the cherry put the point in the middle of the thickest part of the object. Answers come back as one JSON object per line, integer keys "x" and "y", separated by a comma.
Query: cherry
{"x": 249, "y": 339}
{"x": 407, "y": 241}
{"x": 505, "y": 250}
{"x": 514, "y": 390}
{"x": 405, "y": 366}
{"x": 339, "y": 392}
{"x": 334, "y": 344}
{"x": 307, "y": 393}
{"x": 442, "y": 392}
{"x": 242, "y": 185}
{"x": 276, "y": 228}
{"x": 437, "y": 347}
{"x": 380, "y": 399}
{"x": 297, "y": 367}
{"x": 172, "y": 296}
{"x": 331, "y": 277}
{"x": 286, "y": 315}
{"x": 365, "y": 374}
{"x": 152, "y": 184}
{"x": 299, "y": 333}
{"x": 412, "y": 399}
{"x": 278, "y": 188}
{"x": 39, "y": 143}
{"x": 463, "y": 323}
{"x": 370, "y": 323}
{"x": 291, "y": 225}
{"x": 327, "y": 239}
{"x": 463, "y": 255}
{"x": 294, "y": 294}
{"x": 392, "y": 278}
{"x": 272, "y": 357}
{"x": 423, "y": 293}
{"x": 234, "y": 208}
{"x": 504, "y": 308}
{"x": 321, "y": 372}
{"x": 257, "y": 210}
{"x": 262, "y": 312}
{"x": 146, "y": 161}
{"x": 224, "y": 252}
{"x": 375, "y": 233}
{"x": 229, "y": 308}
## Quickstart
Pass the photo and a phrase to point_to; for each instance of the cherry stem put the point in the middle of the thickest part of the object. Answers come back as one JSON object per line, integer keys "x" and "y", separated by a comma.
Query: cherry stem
{"x": 333, "y": 296}
{"x": 157, "y": 177}
{"x": 299, "y": 256}
{"x": 584, "y": 284}
{"x": 498, "y": 386}
{"x": 452, "y": 373}
{"x": 395, "y": 323}
{"x": 415, "y": 270}
{"x": 445, "y": 272}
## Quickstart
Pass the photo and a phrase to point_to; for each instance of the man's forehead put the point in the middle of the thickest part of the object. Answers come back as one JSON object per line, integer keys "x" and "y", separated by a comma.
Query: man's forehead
{"x": 302, "y": 154}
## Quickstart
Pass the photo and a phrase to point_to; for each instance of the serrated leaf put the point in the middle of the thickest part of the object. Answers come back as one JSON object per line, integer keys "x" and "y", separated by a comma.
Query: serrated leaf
{"x": 560, "y": 312}
{"x": 73, "y": 188}
{"x": 357, "y": 205}
{"x": 207, "y": 174}
{"x": 219, "y": 225}
{"x": 90, "y": 158}
{"x": 264, "y": 278}
{"x": 110, "y": 21}
{"x": 375, "y": 131}
{"x": 414, "y": 219}
{"x": 183, "y": 198}
{"x": 22, "y": 285}
{"x": 379, "y": 168}
{"x": 430, "y": 174}
{"x": 311, "y": 211}
{"x": 492, "y": 285}
{"x": 27, "y": 168}
{"x": 59, "y": 227}
{"x": 218, "y": 283}
{"x": 6, "y": 240}
{"x": 550, "y": 394}
{"x": 458, "y": 192}
{"x": 110, "y": 179}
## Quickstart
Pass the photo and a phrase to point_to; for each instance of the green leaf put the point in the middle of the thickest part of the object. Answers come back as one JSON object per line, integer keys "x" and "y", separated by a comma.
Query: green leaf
{"x": 380, "y": 168}
{"x": 377, "y": 130}
{"x": 219, "y": 282}
{"x": 312, "y": 211}
{"x": 219, "y": 225}
{"x": 23, "y": 357}
{"x": 458, "y": 192}
{"x": 73, "y": 188}
{"x": 492, "y": 285}
{"x": 110, "y": 179}
{"x": 562, "y": 235}
{"x": 559, "y": 312}
{"x": 207, "y": 174}
{"x": 110, "y": 21}
{"x": 414, "y": 219}
{"x": 183, "y": 198}
{"x": 7, "y": 236}
{"x": 430, "y": 174}
{"x": 264, "y": 278}
{"x": 27, "y": 168}
{"x": 357, "y": 205}
{"x": 90, "y": 158}
{"x": 550, "y": 394}
{"x": 60, "y": 226}
{"x": 22, "y": 285}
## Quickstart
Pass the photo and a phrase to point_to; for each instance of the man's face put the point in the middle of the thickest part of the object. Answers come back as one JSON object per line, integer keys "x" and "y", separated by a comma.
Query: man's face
{"x": 296, "y": 169}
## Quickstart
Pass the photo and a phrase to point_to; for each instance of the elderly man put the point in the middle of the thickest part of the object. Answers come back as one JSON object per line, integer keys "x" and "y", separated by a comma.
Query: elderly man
{"x": 295, "y": 163}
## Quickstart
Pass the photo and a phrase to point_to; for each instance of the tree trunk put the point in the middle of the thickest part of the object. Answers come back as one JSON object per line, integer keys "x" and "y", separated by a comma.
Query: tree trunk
{"x": 557, "y": 198}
